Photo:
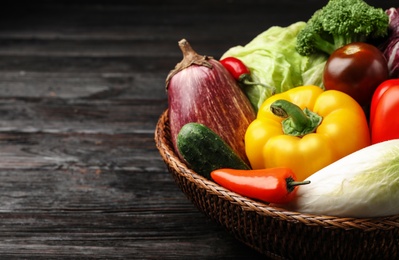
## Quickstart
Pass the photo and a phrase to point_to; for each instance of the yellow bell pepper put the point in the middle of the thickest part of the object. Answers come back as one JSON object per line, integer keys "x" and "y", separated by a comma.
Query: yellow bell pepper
{"x": 310, "y": 131}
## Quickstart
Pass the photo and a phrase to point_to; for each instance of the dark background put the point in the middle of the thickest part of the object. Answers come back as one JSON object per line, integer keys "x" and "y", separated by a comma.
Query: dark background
{"x": 81, "y": 90}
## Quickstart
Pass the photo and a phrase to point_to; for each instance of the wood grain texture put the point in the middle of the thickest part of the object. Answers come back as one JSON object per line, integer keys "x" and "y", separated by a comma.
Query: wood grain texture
{"x": 81, "y": 89}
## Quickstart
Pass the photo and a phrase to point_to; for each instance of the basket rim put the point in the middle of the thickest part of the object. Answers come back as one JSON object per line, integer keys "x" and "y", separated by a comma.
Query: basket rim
{"x": 172, "y": 160}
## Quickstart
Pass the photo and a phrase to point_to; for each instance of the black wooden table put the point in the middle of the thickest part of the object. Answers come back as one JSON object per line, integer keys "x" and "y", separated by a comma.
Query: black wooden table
{"x": 81, "y": 89}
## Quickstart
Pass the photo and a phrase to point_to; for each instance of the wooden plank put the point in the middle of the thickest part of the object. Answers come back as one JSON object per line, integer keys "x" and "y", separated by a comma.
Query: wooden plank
{"x": 116, "y": 235}
{"x": 83, "y": 85}
{"x": 57, "y": 116}
{"x": 79, "y": 152}
{"x": 97, "y": 206}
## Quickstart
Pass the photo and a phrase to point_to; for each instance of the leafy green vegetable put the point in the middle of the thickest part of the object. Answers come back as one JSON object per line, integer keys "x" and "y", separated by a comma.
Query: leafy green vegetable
{"x": 341, "y": 22}
{"x": 363, "y": 184}
{"x": 272, "y": 60}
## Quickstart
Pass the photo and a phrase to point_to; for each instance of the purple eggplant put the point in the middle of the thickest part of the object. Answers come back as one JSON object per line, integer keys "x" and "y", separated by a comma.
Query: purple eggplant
{"x": 201, "y": 90}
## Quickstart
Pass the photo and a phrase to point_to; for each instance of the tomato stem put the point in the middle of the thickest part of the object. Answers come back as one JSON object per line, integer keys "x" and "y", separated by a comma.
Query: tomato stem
{"x": 297, "y": 122}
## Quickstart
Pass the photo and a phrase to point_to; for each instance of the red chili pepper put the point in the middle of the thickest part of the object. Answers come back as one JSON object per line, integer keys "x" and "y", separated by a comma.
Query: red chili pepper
{"x": 384, "y": 121}
{"x": 272, "y": 185}
{"x": 240, "y": 72}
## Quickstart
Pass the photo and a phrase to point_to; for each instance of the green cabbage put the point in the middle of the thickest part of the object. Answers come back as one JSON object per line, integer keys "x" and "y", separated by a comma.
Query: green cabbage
{"x": 272, "y": 60}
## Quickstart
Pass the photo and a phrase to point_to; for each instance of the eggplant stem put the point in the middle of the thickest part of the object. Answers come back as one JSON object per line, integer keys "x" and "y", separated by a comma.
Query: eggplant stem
{"x": 190, "y": 57}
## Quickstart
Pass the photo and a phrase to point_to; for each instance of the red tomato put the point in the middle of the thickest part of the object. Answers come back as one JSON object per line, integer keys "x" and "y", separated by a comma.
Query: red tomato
{"x": 356, "y": 69}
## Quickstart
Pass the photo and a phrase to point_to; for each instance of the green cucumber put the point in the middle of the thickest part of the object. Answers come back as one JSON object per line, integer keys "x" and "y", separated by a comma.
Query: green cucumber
{"x": 205, "y": 151}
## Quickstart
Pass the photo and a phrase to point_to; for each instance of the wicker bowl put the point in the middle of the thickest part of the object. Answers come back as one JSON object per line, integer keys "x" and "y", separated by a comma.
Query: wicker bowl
{"x": 275, "y": 232}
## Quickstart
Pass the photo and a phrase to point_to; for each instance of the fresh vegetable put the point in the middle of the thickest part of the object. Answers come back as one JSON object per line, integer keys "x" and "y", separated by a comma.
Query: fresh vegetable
{"x": 237, "y": 69}
{"x": 384, "y": 120}
{"x": 356, "y": 69}
{"x": 205, "y": 151}
{"x": 363, "y": 184}
{"x": 321, "y": 127}
{"x": 201, "y": 90}
{"x": 272, "y": 59}
{"x": 241, "y": 73}
{"x": 341, "y": 22}
{"x": 274, "y": 185}
{"x": 390, "y": 47}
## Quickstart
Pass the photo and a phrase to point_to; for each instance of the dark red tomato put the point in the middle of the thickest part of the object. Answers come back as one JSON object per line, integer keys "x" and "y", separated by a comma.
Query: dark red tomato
{"x": 356, "y": 69}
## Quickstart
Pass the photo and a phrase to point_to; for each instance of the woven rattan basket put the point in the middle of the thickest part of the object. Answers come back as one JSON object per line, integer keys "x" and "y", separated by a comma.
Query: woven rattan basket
{"x": 275, "y": 232}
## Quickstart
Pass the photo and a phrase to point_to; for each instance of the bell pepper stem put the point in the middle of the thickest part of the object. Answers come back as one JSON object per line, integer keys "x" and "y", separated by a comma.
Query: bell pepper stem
{"x": 297, "y": 122}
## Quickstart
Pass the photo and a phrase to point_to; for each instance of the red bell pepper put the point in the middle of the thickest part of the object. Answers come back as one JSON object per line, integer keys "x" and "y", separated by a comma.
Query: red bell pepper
{"x": 272, "y": 185}
{"x": 384, "y": 119}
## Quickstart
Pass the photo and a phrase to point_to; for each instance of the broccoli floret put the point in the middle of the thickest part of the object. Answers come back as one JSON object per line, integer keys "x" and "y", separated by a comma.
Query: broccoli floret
{"x": 341, "y": 22}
